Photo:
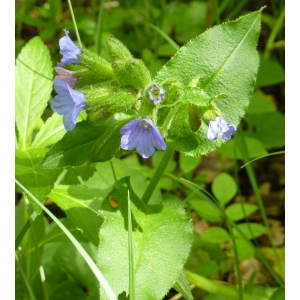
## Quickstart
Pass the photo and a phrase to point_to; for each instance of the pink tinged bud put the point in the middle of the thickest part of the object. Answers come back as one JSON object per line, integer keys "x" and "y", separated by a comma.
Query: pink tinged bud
{"x": 66, "y": 76}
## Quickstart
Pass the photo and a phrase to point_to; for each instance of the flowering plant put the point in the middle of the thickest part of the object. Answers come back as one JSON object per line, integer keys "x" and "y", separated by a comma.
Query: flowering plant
{"x": 107, "y": 108}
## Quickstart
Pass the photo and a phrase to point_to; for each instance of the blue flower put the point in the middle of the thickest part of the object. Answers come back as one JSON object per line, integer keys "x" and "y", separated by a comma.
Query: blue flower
{"x": 69, "y": 50}
{"x": 220, "y": 127}
{"x": 142, "y": 135}
{"x": 157, "y": 94}
{"x": 66, "y": 76}
{"x": 68, "y": 103}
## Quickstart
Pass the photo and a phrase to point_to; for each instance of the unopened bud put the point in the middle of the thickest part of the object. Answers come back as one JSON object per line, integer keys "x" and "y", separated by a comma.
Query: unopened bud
{"x": 117, "y": 50}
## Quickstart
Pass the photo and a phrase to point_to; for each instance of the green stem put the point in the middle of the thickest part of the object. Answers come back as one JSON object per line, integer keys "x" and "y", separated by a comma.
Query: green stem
{"x": 37, "y": 249}
{"x": 130, "y": 254}
{"x": 29, "y": 289}
{"x": 157, "y": 174}
{"x": 274, "y": 33}
{"x": 215, "y": 288}
{"x": 236, "y": 258}
{"x": 113, "y": 170}
{"x": 250, "y": 172}
{"x": 74, "y": 22}
{"x": 165, "y": 36}
{"x": 98, "y": 30}
{"x": 270, "y": 154}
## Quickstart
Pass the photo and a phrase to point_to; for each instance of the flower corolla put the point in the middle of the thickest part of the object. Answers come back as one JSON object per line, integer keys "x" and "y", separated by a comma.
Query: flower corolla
{"x": 157, "y": 94}
{"x": 142, "y": 135}
{"x": 68, "y": 50}
{"x": 220, "y": 127}
{"x": 68, "y": 103}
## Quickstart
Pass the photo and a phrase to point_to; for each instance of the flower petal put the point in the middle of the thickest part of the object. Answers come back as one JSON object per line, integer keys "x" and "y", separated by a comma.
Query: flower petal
{"x": 69, "y": 50}
{"x": 213, "y": 130}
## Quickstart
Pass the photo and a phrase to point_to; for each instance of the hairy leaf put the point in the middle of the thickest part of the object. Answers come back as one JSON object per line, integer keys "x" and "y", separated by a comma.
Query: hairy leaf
{"x": 215, "y": 61}
{"x": 154, "y": 246}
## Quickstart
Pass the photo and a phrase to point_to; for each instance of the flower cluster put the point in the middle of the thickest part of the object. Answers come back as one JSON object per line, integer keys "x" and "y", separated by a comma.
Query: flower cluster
{"x": 140, "y": 134}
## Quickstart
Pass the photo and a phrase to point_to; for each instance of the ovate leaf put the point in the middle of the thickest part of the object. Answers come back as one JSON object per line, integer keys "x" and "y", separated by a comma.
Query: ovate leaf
{"x": 154, "y": 245}
{"x": 225, "y": 60}
{"x": 224, "y": 188}
{"x": 239, "y": 211}
{"x": 33, "y": 87}
{"x": 215, "y": 234}
{"x": 250, "y": 230}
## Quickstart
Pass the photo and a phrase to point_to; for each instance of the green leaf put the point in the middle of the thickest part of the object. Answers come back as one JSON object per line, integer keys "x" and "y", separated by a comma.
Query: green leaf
{"x": 254, "y": 146}
{"x": 215, "y": 234}
{"x": 205, "y": 210}
{"x": 154, "y": 246}
{"x": 271, "y": 132}
{"x": 81, "y": 205}
{"x": 245, "y": 251}
{"x": 104, "y": 178}
{"x": 279, "y": 294}
{"x": 67, "y": 290}
{"x": 224, "y": 188}
{"x": 235, "y": 211}
{"x": 55, "y": 234}
{"x": 217, "y": 58}
{"x": 51, "y": 132}
{"x": 34, "y": 77}
{"x": 270, "y": 72}
{"x": 71, "y": 260}
{"x": 250, "y": 230}
{"x": 182, "y": 286}
{"x": 38, "y": 181}
{"x": 260, "y": 104}
{"x": 188, "y": 163}
{"x": 87, "y": 144}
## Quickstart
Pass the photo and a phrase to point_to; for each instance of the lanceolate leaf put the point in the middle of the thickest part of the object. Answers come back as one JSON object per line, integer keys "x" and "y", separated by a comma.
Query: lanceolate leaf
{"x": 87, "y": 143}
{"x": 51, "y": 132}
{"x": 215, "y": 61}
{"x": 33, "y": 87}
{"x": 154, "y": 246}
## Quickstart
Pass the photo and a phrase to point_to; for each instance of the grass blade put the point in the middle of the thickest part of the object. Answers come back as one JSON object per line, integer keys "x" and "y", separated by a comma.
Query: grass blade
{"x": 81, "y": 250}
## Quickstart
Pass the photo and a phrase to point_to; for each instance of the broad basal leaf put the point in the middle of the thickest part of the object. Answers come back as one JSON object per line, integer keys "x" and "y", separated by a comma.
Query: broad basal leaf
{"x": 221, "y": 61}
{"x": 38, "y": 181}
{"x": 162, "y": 236}
{"x": 34, "y": 76}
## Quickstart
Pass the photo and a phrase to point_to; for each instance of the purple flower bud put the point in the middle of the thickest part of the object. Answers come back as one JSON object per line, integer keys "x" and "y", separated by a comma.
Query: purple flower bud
{"x": 66, "y": 76}
{"x": 157, "y": 94}
{"x": 68, "y": 103}
{"x": 220, "y": 127}
{"x": 69, "y": 50}
{"x": 142, "y": 135}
